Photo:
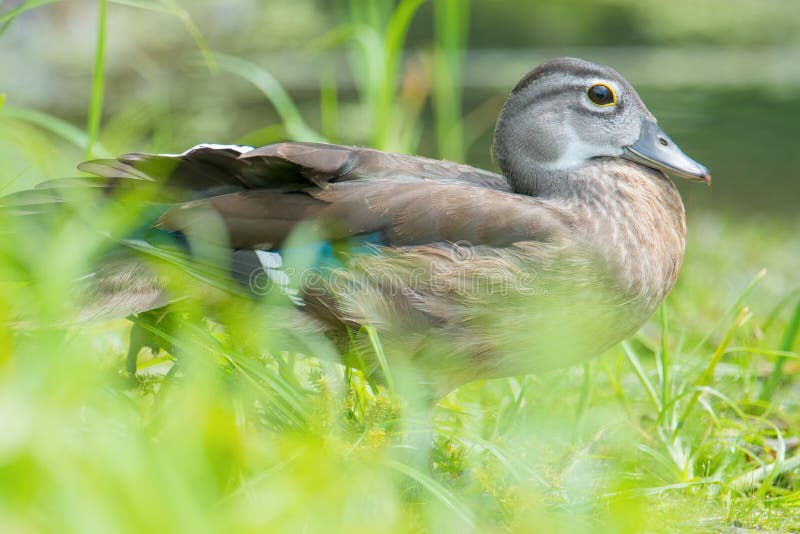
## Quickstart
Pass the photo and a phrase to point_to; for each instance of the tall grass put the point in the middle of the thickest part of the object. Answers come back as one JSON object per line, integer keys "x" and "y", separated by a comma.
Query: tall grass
{"x": 98, "y": 80}
{"x": 681, "y": 428}
{"x": 452, "y": 21}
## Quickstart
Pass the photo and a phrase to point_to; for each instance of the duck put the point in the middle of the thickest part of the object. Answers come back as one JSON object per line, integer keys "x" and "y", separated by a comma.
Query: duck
{"x": 464, "y": 274}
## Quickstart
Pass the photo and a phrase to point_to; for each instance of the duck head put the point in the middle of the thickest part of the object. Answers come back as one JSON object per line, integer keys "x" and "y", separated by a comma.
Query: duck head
{"x": 568, "y": 112}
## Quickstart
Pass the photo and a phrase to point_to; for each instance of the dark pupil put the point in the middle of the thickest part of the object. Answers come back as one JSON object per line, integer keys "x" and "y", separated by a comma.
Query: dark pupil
{"x": 600, "y": 94}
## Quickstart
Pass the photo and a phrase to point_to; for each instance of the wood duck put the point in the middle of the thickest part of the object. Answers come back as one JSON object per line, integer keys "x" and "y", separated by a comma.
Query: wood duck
{"x": 465, "y": 274}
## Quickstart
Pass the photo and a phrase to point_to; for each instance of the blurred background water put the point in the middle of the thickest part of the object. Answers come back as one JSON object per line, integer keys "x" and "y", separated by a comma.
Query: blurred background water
{"x": 722, "y": 77}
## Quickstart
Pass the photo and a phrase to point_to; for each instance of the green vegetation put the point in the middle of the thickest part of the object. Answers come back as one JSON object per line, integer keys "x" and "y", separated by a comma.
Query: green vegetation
{"x": 692, "y": 425}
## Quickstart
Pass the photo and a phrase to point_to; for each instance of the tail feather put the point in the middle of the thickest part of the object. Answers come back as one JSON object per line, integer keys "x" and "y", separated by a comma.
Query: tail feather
{"x": 223, "y": 214}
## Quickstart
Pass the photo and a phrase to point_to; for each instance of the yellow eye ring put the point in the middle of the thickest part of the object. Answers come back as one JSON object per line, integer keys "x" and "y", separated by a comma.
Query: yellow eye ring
{"x": 602, "y": 95}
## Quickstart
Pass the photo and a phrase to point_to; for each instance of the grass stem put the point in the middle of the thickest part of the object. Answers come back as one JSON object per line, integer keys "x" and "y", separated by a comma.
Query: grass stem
{"x": 786, "y": 346}
{"x": 451, "y": 22}
{"x": 633, "y": 359}
{"x": 664, "y": 356}
{"x": 95, "y": 115}
{"x": 708, "y": 374}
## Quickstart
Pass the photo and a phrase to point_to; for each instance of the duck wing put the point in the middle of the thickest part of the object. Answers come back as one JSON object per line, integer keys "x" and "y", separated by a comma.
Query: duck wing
{"x": 227, "y": 212}
{"x": 262, "y": 194}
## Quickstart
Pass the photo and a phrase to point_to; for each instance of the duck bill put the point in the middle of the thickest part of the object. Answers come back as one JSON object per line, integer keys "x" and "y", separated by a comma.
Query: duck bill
{"x": 656, "y": 150}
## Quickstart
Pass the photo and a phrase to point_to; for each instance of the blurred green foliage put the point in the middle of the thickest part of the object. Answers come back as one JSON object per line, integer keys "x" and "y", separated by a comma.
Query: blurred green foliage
{"x": 720, "y": 76}
{"x": 550, "y": 23}
{"x": 668, "y": 432}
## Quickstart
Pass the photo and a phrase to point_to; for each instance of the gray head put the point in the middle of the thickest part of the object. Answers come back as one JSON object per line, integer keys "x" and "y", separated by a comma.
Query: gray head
{"x": 567, "y": 112}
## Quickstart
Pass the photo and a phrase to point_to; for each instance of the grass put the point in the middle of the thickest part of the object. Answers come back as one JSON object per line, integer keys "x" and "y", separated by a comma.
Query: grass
{"x": 691, "y": 425}
{"x": 95, "y": 114}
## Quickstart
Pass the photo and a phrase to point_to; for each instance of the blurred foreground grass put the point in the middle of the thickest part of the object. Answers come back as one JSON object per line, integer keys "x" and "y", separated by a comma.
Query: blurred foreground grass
{"x": 237, "y": 439}
{"x": 672, "y": 431}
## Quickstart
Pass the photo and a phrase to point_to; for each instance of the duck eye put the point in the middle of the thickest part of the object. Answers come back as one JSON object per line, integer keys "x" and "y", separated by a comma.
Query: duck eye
{"x": 602, "y": 95}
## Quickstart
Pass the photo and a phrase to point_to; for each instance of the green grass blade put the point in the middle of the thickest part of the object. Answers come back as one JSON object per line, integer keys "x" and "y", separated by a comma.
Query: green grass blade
{"x": 356, "y": 351}
{"x": 379, "y": 36}
{"x": 369, "y": 72}
{"x": 263, "y": 136}
{"x": 764, "y": 352}
{"x": 451, "y": 22}
{"x": 329, "y": 104}
{"x": 789, "y": 336}
{"x": 147, "y": 5}
{"x": 295, "y": 125}
{"x": 95, "y": 115}
{"x": 633, "y": 359}
{"x": 663, "y": 356}
{"x": 397, "y": 29}
{"x": 333, "y": 38}
{"x": 170, "y": 7}
{"x": 434, "y": 488}
{"x": 766, "y": 472}
{"x": 370, "y": 12}
{"x": 289, "y": 402}
{"x": 375, "y": 342}
{"x": 66, "y": 131}
{"x": 614, "y": 377}
{"x": 731, "y": 309}
{"x": 193, "y": 31}
{"x": 393, "y": 43}
{"x": 778, "y": 308}
{"x": 292, "y": 405}
{"x": 708, "y": 373}
{"x": 8, "y": 17}
{"x": 515, "y": 466}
